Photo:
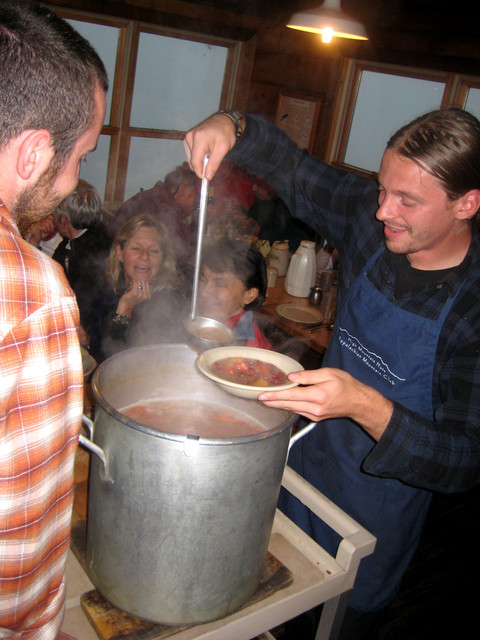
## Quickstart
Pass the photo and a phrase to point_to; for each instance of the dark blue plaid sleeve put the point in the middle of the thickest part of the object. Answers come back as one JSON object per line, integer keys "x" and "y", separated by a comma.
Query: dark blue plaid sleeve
{"x": 442, "y": 454}
{"x": 327, "y": 199}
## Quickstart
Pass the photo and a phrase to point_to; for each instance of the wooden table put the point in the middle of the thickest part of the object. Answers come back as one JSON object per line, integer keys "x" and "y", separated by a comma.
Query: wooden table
{"x": 317, "y": 340}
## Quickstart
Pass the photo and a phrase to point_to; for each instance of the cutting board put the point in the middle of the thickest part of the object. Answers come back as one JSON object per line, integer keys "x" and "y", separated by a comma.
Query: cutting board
{"x": 112, "y": 624}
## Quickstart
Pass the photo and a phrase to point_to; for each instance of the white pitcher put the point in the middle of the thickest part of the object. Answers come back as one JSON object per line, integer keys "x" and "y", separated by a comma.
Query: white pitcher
{"x": 302, "y": 271}
{"x": 279, "y": 256}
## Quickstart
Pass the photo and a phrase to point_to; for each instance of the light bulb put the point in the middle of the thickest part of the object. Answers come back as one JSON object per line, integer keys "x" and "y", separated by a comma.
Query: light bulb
{"x": 327, "y": 35}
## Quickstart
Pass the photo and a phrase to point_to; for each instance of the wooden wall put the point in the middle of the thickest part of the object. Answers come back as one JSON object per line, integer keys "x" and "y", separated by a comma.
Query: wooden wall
{"x": 290, "y": 61}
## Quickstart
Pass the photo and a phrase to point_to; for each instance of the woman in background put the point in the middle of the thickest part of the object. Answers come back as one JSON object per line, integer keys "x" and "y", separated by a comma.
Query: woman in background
{"x": 233, "y": 285}
{"x": 145, "y": 299}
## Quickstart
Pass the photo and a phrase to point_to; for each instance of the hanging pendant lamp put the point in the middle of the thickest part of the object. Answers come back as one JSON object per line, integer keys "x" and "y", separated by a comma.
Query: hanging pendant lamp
{"x": 329, "y": 21}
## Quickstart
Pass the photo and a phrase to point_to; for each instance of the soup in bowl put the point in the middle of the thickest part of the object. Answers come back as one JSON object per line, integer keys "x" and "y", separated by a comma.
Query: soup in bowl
{"x": 248, "y": 371}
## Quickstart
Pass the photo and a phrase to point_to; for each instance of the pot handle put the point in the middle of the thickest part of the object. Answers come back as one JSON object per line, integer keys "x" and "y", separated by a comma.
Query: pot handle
{"x": 301, "y": 433}
{"x": 91, "y": 446}
{"x": 88, "y": 423}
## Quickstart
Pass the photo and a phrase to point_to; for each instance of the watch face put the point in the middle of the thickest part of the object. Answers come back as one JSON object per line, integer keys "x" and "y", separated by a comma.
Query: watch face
{"x": 122, "y": 319}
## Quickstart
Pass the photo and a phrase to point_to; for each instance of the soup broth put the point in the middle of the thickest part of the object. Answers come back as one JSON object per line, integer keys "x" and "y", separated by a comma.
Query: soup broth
{"x": 199, "y": 419}
{"x": 212, "y": 334}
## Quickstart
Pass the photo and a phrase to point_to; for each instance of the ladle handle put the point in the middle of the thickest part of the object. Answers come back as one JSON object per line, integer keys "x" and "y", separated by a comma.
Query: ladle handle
{"x": 202, "y": 214}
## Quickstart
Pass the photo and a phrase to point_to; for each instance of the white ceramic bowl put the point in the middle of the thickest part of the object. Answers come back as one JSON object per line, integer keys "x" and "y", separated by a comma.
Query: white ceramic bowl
{"x": 286, "y": 364}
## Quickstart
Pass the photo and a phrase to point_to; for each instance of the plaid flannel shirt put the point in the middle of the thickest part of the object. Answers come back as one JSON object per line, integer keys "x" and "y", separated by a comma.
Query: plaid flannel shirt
{"x": 41, "y": 398}
{"x": 442, "y": 454}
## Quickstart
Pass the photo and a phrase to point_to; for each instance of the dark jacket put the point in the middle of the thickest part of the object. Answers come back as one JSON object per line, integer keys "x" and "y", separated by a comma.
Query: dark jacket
{"x": 158, "y": 320}
{"x": 276, "y": 223}
{"x": 83, "y": 260}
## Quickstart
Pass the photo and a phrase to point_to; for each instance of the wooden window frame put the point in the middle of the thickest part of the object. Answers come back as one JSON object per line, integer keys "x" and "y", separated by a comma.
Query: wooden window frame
{"x": 346, "y": 99}
{"x": 122, "y": 84}
{"x": 460, "y": 88}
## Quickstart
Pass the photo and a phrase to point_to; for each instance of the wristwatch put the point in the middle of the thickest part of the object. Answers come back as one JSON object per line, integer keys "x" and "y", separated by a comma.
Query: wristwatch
{"x": 121, "y": 318}
{"x": 237, "y": 119}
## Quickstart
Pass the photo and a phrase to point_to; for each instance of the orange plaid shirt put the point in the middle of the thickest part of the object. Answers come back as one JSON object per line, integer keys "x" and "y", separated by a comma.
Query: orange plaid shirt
{"x": 41, "y": 396}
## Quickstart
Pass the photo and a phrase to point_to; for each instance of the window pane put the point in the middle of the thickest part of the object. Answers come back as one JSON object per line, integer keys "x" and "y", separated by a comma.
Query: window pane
{"x": 178, "y": 83}
{"x": 384, "y": 103}
{"x": 104, "y": 40}
{"x": 94, "y": 170}
{"x": 472, "y": 102}
{"x": 149, "y": 161}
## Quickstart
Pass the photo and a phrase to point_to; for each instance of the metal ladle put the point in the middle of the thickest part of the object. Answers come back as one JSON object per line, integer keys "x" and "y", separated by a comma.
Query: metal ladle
{"x": 202, "y": 216}
{"x": 194, "y": 324}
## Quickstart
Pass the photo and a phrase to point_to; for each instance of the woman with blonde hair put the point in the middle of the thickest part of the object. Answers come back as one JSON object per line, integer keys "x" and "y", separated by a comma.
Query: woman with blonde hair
{"x": 145, "y": 297}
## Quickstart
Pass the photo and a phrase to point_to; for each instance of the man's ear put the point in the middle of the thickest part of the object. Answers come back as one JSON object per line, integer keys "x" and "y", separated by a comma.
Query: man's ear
{"x": 469, "y": 204}
{"x": 35, "y": 153}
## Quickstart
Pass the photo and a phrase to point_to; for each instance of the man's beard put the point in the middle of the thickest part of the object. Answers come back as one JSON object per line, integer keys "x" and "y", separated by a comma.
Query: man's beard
{"x": 37, "y": 202}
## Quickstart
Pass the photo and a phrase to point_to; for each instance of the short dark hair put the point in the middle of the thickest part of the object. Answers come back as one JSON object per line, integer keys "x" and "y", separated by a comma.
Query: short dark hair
{"x": 180, "y": 175}
{"x": 48, "y": 76}
{"x": 446, "y": 144}
{"x": 243, "y": 260}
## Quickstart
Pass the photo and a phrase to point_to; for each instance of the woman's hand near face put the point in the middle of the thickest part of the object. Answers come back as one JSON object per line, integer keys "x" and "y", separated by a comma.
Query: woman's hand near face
{"x": 333, "y": 393}
{"x": 138, "y": 292}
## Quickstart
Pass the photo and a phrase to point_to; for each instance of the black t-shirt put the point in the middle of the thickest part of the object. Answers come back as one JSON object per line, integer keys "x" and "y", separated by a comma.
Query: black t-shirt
{"x": 410, "y": 280}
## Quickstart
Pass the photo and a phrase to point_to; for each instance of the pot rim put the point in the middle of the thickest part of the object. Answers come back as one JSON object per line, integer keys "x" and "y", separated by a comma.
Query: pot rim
{"x": 182, "y": 438}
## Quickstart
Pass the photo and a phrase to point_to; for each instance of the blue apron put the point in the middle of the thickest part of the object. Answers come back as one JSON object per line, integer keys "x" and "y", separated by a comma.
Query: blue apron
{"x": 393, "y": 351}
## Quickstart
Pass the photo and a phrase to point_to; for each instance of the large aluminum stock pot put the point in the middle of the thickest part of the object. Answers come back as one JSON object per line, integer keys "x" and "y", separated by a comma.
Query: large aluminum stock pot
{"x": 178, "y": 526}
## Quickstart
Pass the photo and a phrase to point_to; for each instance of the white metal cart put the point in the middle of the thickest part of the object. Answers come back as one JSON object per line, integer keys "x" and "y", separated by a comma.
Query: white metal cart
{"x": 317, "y": 577}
